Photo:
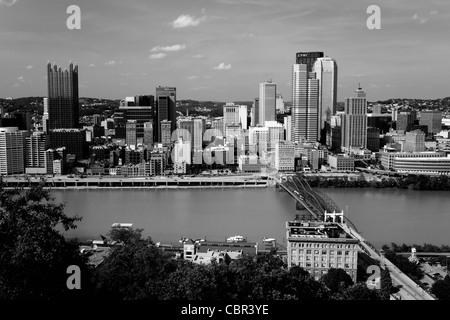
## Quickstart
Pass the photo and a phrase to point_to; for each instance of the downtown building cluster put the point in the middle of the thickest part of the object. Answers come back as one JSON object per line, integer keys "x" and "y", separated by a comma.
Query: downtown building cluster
{"x": 147, "y": 135}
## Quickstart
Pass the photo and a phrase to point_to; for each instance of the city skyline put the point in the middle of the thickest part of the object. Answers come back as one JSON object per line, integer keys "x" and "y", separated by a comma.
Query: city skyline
{"x": 221, "y": 50}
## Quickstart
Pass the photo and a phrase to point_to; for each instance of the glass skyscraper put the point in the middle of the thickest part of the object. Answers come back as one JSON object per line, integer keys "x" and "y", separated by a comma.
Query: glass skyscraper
{"x": 63, "y": 110}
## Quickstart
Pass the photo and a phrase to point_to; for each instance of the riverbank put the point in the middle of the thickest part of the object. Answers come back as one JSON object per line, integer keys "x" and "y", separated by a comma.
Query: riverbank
{"x": 100, "y": 182}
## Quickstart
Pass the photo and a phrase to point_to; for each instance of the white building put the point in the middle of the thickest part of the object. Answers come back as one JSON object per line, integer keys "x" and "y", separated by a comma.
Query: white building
{"x": 267, "y": 101}
{"x": 284, "y": 156}
{"x": 12, "y": 142}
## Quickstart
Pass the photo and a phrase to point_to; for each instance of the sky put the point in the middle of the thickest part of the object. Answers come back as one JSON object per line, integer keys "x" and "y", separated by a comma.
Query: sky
{"x": 221, "y": 50}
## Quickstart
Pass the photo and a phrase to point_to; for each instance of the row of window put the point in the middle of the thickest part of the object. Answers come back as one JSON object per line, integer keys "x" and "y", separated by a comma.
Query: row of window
{"x": 324, "y": 245}
{"x": 323, "y": 252}
{"x": 326, "y": 265}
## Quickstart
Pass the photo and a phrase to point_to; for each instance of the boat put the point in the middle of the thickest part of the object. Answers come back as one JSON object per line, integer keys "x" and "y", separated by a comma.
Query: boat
{"x": 236, "y": 239}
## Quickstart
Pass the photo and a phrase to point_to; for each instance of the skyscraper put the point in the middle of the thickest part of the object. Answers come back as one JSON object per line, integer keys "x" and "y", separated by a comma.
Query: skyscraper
{"x": 354, "y": 121}
{"x": 326, "y": 72}
{"x": 63, "y": 110}
{"x": 35, "y": 147}
{"x": 230, "y": 115}
{"x": 166, "y": 99}
{"x": 305, "y": 104}
{"x": 431, "y": 119}
{"x": 267, "y": 102}
{"x": 12, "y": 150}
{"x": 308, "y": 58}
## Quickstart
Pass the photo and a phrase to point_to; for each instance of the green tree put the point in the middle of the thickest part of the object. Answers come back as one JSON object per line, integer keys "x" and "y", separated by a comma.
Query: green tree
{"x": 441, "y": 288}
{"x": 386, "y": 284}
{"x": 34, "y": 255}
{"x": 135, "y": 270}
{"x": 360, "y": 291}
{"x": 337, "y": 279}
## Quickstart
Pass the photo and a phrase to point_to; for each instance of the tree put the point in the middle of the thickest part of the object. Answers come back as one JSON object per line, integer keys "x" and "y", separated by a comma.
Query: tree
{"x": 386, "y": 284}
{"x": 34, "y": 255}
{"x": 337, "y": 279}
{"x": 360, "y": 291}
{"x": 135, "y": 270}
{"x": 441, "y": 288}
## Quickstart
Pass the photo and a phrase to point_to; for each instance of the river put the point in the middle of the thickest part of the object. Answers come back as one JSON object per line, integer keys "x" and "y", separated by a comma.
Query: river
{"x": 381, "y": 215}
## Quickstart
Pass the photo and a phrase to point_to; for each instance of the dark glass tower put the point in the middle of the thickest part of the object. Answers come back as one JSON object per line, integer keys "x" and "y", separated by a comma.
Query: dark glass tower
{"x": 166, "y": 100}
{"x": 63, "y": 110}
{"x": 307, "y": 58}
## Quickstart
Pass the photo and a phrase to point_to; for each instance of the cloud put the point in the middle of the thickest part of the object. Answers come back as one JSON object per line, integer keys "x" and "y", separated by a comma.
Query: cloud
{"x": 199, "y": 88}
{"x": 111, "y": 63}
{"x": 29, "y": 67}
{"x": 126, "y": 74}
{"x": 223, "y": 66}
{"x": 157, "y": 55}
{"x": 92, "y": 65}
{"x": 186, "y": 20}
{"x": 198, "y": 56}
{"x": 9, "y": 3}
{"x": 432, "y": 13}
{"x": 420, "y": 19}
{"x": 21, "y": 79}
{"x": 192, "y": 77}
{"x": 175, "y": 47}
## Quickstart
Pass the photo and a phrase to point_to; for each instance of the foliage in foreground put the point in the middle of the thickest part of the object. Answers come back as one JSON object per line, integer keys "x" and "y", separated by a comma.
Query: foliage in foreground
{"x": 34, "y": 257}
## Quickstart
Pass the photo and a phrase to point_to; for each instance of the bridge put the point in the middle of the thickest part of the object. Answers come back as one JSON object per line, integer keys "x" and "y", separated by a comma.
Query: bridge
{"x": 317, "y": 203}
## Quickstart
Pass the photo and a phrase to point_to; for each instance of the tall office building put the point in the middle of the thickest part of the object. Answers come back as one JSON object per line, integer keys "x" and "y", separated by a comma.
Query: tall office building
{"x": 326, "y": 72}
{"x": 243, "y": 115}
{"x": 166, "y": 100}
{"x": 415, "y": 141}
{"x": 45, "y": 116}
{"x": 35, "y": 147}
{"x": 74, "y": 140}
{"x": 63, "y": 109}
{"x": 308, "y": 58}
{"x": 287, "y": 127}
{"x": 139, "y": 108}
{"x": 431, "y": 119}
{"x": 148, "y": 134}
{"x": 280, "y": 103}
{"x": 267, "y": 101}
{"x": 354, "y": 121}
{"x": 255, "y": 113}
{"x": 12, "y": 150}
{"x": 305, "y": 104}
{"x": 166, "y": 132}
{"x": 230, "y": 115}
{"x": 405, "y": 120}
{"x": 131, "y": 134}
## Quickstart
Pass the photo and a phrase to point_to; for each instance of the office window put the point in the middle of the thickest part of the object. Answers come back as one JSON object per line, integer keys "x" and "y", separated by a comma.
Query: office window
{"x": 332, "y": 252}
{"x": 308, "y": 251}
{"x": 324, "y": 252}
{"x": 347, "y": 253}
{"x": 308, "y": 258}
{"x": 316, "y": 251}
{"x": 339, "y": 252}
{"x": 308, "y": 264}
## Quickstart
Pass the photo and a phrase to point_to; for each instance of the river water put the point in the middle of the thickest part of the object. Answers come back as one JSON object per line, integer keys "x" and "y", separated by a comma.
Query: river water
{"x": 381, "y": 215}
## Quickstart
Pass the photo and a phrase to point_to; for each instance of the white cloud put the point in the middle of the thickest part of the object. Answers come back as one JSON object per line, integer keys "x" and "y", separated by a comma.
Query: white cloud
{"x": 192, "y": 77}
{"x": 223, "y": 66}
{"x": 126, "y": 74}
{"x": 186, "y": 20}
{"x": 21, "y": 79}
{"x": 432, "y": 13}
{"x": 198, "y": 56}
{"x": 110, "y": 63}
{"x": 175, "y": 47}
{"x": 92, "y": 65}
{"x": 157, "y": 55}
{"x": 421, "y": 20}
{"x": 29, "y": 67}
{"x": 9, "y": 3}
{"x": 15, "y": 85}
{"x": 199, "y": 88}
{"x": 415, "y": 17}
